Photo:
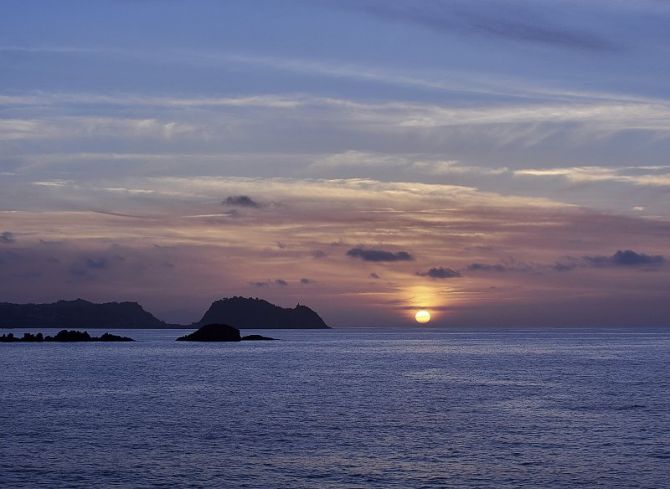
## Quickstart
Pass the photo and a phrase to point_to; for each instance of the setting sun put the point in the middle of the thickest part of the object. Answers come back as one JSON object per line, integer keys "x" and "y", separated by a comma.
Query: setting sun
{"x": 422, "y": 316}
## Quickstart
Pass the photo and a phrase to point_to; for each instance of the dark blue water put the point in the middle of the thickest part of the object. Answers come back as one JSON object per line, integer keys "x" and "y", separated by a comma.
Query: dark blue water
{"x": 340, "y": 409}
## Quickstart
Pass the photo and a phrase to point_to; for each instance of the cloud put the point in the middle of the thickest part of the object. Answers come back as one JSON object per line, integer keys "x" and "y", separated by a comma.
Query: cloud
{"x": 622, "y": 258}
{"x": 513, "y": 21}
{"x": 564, "y": 266}
{"x": 72, "y": 99}
{"x": 402, "y": 139}
{"x": 277, "y": 282}
{"x": 649, "y": 176}
{"x": 7, "y": 238}
{"x": 241, "y": 201}
{"x": 88, "y": 267}
{"x": 98, "y": 263}
{"x": 508, "y": 265}
{"x": 379, "y": 255}
{"x": 626, "y": 258}
{"x": 440, "y": 273}
{"x": 486, "y": 267}
{"x": 359, "y": 159}
{"x": 87, "y": 127}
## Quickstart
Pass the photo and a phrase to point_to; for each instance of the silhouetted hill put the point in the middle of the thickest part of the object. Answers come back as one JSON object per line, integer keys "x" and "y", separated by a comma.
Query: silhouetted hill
{"x": 77, "y": 314}
{"x": 248, "y": 313}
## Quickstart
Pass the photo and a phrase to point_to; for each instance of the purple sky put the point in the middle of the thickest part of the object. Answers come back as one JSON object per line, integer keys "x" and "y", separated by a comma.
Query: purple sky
{"x": 496, "y": 162}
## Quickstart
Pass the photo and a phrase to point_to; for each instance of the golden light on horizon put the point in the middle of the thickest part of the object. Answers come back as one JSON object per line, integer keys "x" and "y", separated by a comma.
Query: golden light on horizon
{"x": 422, "y": 316}
{"x": 419, "y": 300}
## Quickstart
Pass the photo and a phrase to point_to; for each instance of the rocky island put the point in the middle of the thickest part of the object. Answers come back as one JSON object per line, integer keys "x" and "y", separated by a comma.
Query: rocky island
{"x": 248, "y": 313}
{"x": 220, "y": 332}
{"x": 63, "y": 336}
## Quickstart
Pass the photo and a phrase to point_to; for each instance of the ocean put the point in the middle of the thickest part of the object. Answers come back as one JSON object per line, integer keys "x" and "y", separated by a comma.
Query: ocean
{"x": 345, "y": 408}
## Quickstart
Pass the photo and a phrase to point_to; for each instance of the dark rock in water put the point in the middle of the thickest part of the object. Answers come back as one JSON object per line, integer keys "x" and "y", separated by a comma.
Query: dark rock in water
{"x": 248, "y": 313}
{"x": 213, "y": 332}
{"x": 257, "y": 337}
{"x": 62, "y": 336}
{"x": 65, "y": 335}
{"x": 8, "y": 338}
{"x": 112, "y": 337}
{"x": 28, "y": 337}
{"x": 77, "y": 314}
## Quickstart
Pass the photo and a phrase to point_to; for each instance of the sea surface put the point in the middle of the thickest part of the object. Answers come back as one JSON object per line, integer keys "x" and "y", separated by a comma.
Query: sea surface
{"x": 343, "y": 408}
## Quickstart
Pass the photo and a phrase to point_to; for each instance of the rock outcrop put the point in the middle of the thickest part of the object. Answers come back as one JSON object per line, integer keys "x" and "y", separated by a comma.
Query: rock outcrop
{"x": 220, "y": 332}
{"x": 63, "y": 336}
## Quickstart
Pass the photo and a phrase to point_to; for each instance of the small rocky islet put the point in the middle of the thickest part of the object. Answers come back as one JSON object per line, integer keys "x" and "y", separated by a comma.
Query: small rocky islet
{"x": 221, "y": 332}
{"x": 63, "y": 336}
{"x": 209, "y": 332}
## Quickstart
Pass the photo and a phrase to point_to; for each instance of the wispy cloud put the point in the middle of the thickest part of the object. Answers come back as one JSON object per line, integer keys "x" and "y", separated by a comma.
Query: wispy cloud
{"x": 622, "y": 258}
{"x": 595, "y": 117}
{"x": 121, "y": 100}
{"x": 512, "y": 21}
{"x": 7, "y": 237}
{"x": 507, "y": 266}
{"x": 658, "y": 176}
{"x": 68, "y": 127}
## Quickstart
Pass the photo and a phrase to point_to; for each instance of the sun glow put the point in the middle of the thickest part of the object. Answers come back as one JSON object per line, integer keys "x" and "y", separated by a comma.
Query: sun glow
{"x": 422, "y": 316}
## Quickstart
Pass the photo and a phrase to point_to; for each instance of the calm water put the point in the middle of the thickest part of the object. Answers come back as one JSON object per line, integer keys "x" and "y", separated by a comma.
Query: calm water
{"x": 340, "y": 409}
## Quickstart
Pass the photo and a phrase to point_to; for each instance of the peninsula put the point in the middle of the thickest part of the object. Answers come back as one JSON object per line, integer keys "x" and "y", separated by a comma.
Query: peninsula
{"x": 78, "y": 314}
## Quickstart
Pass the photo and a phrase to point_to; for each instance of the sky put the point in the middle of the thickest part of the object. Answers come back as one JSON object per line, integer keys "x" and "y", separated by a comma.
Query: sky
{"x": 497, "y": 162}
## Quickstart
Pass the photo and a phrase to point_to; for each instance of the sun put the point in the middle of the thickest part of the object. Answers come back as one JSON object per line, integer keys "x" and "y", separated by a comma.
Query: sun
{"x": 422, "y": 316}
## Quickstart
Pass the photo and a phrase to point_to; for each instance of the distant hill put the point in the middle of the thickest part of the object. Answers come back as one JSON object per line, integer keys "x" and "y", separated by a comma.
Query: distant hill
{"x": 77, "y": 314}
{"x": 248, "y": 313}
